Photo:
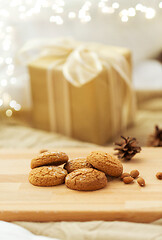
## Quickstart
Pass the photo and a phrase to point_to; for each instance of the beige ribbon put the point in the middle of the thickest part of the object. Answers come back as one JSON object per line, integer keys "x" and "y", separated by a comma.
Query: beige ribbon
{"x": 80, "y": 64}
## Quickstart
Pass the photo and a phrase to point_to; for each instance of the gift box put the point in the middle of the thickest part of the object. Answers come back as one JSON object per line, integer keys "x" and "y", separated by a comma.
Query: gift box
{"x": 82, "y": 90}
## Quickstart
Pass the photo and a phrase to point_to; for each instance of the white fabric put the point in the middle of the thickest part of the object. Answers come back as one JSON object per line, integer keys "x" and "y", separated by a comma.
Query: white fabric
{"x": 9, "y": 231}
{"x": 95, "y": 230}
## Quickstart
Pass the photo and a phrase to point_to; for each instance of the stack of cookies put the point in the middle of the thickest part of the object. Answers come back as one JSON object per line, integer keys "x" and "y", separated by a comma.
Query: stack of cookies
{"x": 84, "y": 174}
{"x": 46, "y": 170}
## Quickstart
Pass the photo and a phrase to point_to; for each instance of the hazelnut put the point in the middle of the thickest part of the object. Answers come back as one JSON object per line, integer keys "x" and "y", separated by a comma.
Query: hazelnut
{"x": 124, "y": 175}
{"x": 128, "y": 180}
{"x": 134, "y": 173}
{"x": 159, "y": 175}
{"x": 141, "y": 181}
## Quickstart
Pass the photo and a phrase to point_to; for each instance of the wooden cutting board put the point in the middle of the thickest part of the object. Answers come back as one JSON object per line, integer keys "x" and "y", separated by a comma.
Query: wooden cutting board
{"x": 21, "y": 201}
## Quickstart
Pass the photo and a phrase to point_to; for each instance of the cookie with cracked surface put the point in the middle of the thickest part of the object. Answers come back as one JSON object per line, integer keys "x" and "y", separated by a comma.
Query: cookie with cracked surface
{"x": 49, "y": 158}
{"x": 47, "y": 176}
{"x": 105, "y": 162}
{"x": 86, "y": 179}
{"x": 77, "y": 163}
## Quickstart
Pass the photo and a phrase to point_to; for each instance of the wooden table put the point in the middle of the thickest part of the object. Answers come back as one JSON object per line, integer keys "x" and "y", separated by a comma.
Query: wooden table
{"x": 21, "y": 201}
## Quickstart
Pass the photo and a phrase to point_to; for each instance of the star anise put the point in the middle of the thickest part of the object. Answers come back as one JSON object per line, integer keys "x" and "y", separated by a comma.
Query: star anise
{"x": 127, "y": 148}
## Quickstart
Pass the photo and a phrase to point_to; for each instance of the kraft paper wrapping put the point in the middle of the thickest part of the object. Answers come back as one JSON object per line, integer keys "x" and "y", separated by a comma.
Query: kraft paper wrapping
{"x": 89, "y": 107}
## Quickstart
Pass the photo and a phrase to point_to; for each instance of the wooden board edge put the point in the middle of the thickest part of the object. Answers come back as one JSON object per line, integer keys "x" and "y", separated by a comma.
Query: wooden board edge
{"x": 41, "y": 216}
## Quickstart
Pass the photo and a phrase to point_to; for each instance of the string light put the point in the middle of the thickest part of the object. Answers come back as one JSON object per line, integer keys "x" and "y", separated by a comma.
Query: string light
{"x": 59, "y": 20}
{"x": 86, "y": 6}
{"x": 10, "y": 69}
{"x": 56, "y": 19}
{"x": 81, "y": 14}
{"x": 124, "y": 12}
{"x": 124, "y": 18}
{"x": 150, "y": 13}
{"x": 115, "y": 5}
{"x": 26, "y": 10}
{"x": 13, "y": 103}
{"x": 8, "y": 112}
{"x": 86, "y": 18}
{"x": 6, "y": 45}
{"x": 3, "y": 82}
{"x": 72, "y": 15}
{"x": 17, "y": 107}
{"x": 140, "y": 7}
{"x": 131, "y": 12}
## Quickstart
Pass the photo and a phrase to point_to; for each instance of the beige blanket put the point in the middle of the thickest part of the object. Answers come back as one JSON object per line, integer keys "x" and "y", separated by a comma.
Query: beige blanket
{"x": 96, "y": 230}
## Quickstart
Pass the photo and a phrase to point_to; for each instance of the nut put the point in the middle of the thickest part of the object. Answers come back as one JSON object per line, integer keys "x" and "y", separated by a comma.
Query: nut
{"x": 124, "y": 175}
{"x": 159, "y": 175}
{"x": 134, "y": 173}
{"x": 128, "y": 180}
{"x": 141, "y": 181}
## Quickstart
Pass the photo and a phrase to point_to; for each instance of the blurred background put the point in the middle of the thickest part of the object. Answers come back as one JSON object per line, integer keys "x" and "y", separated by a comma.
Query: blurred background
{"x": 135, "y": 25}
